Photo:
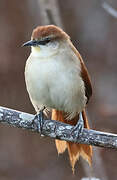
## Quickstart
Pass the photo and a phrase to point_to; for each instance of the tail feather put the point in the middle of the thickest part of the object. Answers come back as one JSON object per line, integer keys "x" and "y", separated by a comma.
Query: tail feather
{"x": 61, "y": 146}
{"x": 74, "y": 153}
{"x": 74, "y": 150}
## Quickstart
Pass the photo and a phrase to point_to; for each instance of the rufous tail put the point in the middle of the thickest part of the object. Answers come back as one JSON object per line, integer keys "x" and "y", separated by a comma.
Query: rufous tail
{"x": 74, "y": 150}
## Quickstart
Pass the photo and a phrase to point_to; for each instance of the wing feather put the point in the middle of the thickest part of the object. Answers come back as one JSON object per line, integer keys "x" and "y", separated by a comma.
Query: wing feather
{"x": 84, "y": 74}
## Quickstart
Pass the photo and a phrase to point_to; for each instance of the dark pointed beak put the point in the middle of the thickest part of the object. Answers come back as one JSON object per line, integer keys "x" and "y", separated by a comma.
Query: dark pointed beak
{"x": 30, "y": 43}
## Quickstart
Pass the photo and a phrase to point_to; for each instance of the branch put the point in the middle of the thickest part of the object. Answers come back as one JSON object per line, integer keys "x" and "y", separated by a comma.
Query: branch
{"x": 56, "y": 129}
{"x": 109, "y": 9}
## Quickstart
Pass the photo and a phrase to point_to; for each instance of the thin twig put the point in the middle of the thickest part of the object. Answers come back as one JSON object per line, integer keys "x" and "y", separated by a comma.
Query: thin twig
{"x": 57, "y": 130}
{"x": 109, "y": 9}
{"x": 49, "y": 12}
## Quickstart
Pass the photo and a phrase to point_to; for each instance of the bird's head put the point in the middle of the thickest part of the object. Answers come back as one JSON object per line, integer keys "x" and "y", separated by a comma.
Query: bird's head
{"x": 46, "y": 40}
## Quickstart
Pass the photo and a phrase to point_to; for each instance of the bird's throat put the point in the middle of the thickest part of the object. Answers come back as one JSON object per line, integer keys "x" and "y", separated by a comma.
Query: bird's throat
{"x": 35, "y": 51}
{"x": 42, "y": 52}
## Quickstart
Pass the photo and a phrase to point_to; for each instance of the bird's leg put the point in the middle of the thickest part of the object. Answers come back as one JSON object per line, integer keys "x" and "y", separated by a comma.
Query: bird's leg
{"x": 39, "y": 118}
{"x": 79, "y": 126}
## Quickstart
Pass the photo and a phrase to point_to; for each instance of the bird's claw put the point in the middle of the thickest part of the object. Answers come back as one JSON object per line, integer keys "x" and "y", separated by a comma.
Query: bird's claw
{"x": 38, "y": 119}
{"x": 79, "y": 126}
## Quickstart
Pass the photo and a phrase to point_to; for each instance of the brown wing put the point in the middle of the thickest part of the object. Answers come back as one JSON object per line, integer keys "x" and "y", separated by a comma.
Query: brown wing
{"x": 87, "y": 81}
{"x": 84, "y": 74}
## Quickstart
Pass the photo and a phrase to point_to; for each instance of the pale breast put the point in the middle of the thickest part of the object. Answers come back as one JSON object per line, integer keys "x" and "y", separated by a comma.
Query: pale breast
{"x": 56, "y": 83}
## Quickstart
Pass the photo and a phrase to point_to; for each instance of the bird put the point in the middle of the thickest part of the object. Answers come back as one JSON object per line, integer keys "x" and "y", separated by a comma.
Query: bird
{"x": 58, "y": 81}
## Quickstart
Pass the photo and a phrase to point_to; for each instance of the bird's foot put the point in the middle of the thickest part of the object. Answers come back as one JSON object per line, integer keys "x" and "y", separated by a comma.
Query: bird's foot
{"x": 38, "y": 119}
{"x": 79, "y": 126}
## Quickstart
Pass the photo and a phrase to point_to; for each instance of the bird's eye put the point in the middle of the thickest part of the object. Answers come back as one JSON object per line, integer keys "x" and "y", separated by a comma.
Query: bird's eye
{"x": 44, "y": 41}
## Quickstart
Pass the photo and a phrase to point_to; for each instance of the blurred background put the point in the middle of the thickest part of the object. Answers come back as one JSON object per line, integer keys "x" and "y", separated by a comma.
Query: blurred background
{"x": 26, "y": 155}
